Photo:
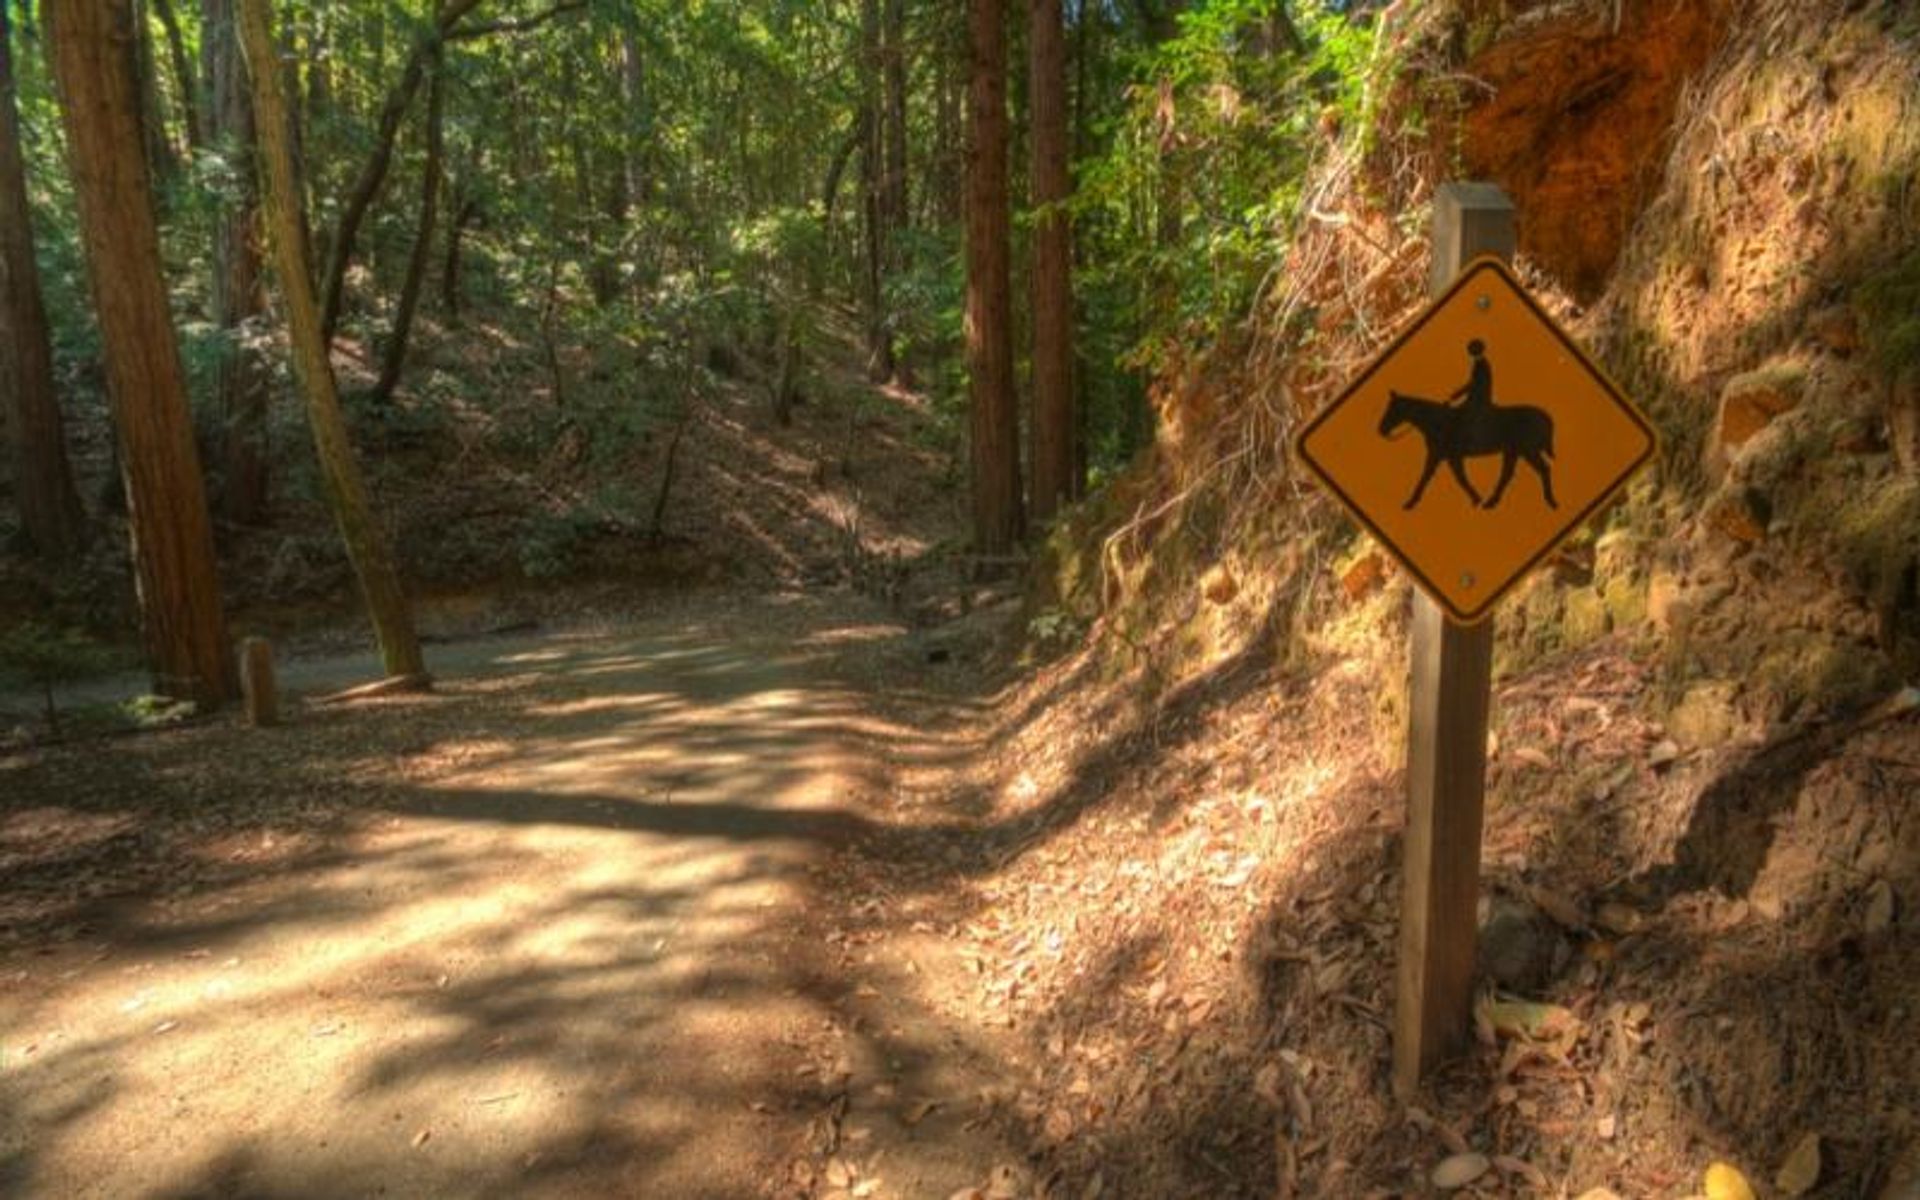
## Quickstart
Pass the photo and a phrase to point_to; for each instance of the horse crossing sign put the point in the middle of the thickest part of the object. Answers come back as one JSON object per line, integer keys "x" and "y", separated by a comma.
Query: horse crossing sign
{"x": 1477, "y": 441}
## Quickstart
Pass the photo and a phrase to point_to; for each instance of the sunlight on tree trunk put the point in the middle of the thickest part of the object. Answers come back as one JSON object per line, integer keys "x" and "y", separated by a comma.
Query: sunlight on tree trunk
{"x": 366, "y": 542}
{"x": 91, "y": 48}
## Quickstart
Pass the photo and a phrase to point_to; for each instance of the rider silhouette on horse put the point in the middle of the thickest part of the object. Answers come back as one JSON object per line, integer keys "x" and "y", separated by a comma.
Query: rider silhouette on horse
{"x": 1475, "y": 429}
{"x": 1478, "y": 389}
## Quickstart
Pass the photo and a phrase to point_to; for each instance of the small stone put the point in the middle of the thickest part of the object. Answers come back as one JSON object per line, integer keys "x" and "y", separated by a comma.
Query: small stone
{"x": 1219, "y": 585}
{"x": 1705, "y": 716}
{"x": 1363, "y": 576}
{"x": 1664, "y": 754}
{"x": 1663, "y": 599}
{"x": 1741, "y": 514}
{"x": 1517, "y": 946}
{"x": 1750, "y": 401}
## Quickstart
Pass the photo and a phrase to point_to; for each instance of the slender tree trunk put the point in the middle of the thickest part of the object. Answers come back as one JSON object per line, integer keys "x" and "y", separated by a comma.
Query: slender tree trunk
{"x": 163, "y": 165}
{"x": 373, "y": 173}
{"x": 465, "y": 211}
{"x": 948, "y": 169}
{"x": 1052, "y": 421}
{"x": 897, "y": 203}
{"x": 873, "y": 198}
{"x": 366, "y": 542}
{"x": 997, "y": 521}
{"x": 895, "y": 200}
{"x": 42, "y": 479}
{"x": 396, "y": 351}
{"x": 92, "y": 45}
{"x": 183, "y": 76}
{"x": 241, "y": 384}
{"x": 1084, "y": 28}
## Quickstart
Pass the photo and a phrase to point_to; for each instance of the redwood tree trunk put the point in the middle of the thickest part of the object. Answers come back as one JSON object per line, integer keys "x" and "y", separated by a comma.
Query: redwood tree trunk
{"x": 241, "y": 384}
{"x": 366, "y": 542}
{"x": 1052, "y": 422}
{"x": 92, "y": 53}
{"x": 42, "y": 479}
{"x": 997, "y": 521}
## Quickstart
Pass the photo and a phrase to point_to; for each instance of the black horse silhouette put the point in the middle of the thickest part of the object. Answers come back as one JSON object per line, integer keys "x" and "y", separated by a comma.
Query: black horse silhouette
{"x": 1454, "y": 435}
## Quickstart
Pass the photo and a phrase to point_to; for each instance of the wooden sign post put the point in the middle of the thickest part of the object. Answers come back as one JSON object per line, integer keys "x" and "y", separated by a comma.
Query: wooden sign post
{"x": 1446, "y": 742}
{"x": 1426, "y": 448}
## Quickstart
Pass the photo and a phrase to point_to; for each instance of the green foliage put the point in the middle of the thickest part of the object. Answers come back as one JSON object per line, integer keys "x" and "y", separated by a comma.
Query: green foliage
{"x": 1190, "y": 207}
{"x": 1890, "y": 301}
{"x": 45, "y": 656}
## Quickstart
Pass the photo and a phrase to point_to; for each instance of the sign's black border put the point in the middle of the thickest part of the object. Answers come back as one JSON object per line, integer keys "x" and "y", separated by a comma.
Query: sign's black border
{"x": 1479, "y": 613}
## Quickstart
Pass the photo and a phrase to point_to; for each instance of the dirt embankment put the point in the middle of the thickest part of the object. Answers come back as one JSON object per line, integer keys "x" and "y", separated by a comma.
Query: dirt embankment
{"x": 1703, "y": 869}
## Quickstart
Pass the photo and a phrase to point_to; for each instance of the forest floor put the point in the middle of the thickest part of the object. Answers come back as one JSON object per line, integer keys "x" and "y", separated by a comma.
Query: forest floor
{"x": 566, "y": 926}
{"x": 781, "y": 880}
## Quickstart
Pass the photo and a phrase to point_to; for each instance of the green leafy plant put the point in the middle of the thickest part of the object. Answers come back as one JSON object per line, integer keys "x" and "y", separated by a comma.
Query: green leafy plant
{"x": 45, "y": 656}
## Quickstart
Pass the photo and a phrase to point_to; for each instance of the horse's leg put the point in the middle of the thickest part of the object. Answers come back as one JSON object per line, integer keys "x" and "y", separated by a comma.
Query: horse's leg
{"x": 1420, "y": 489}
{"x": 1460, "y": 473}
{"x": 1506, "y": 477}
{"x": 1545, "y": 470}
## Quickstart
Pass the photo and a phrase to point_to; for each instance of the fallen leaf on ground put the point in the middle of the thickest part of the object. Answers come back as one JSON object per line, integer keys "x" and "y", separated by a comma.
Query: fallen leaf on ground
{"x": 1725, "y": 1182}
{"x": 1525, "y": 1018}
{"x": 1459, "y": 1171}
{"x": 1615, "y": 917}
{"x": 1535, "y": 1177}
{"x": 1879, "y": 906}
{"x": 920, "y": 1112}
{"x": 1801, "y": 1170}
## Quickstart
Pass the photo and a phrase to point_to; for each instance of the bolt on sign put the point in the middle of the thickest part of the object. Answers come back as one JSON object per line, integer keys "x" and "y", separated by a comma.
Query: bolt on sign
{"x": 1477, "y": 441}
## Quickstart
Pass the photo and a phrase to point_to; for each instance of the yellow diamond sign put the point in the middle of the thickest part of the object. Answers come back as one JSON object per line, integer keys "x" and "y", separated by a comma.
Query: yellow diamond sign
{"x": 1477, "y": 441}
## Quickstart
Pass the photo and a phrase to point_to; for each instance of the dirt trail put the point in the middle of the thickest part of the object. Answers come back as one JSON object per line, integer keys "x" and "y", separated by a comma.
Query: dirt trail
{"x": 569, "y": 927}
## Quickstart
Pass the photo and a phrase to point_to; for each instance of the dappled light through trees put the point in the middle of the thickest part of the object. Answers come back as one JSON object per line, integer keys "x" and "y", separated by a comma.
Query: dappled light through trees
{"x": 988, "y": 600}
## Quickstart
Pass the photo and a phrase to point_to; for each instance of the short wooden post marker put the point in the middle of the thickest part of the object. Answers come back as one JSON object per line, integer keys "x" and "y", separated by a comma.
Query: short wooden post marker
{"x": 256, "y": 682}
{"x": 1452, "y": 678}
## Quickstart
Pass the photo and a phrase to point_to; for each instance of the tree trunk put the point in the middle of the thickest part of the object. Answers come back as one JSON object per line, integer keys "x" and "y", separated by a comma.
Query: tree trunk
{"x": 1052, "y": 420}
{"x": 183, "y": 76}
{"x": 241, "y": 383}
{"x": 373, "y": 173}
{"x": 366, "y": 542}
{"x": 396, "y": 352}
{"x": 947, "y": 171}
{"x": 465, "y": 211}
{"x": 997, "y": 522}
{"x": 163, "y": 165}
{"x": 92, "y": 44}
{"x": 895, "y": 201}
{"x": 42, "y": 479}
{"x": 873, "y": 199}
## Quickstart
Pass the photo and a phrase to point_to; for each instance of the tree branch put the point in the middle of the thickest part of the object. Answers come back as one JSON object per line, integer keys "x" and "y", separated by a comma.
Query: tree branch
{"x": 514, "y": 24}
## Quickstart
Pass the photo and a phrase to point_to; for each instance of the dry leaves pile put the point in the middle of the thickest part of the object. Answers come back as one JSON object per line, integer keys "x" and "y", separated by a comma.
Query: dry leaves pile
{"x": 1184, "y": 915}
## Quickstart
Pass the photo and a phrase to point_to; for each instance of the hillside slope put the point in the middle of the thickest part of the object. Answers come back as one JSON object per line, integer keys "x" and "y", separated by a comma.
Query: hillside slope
{"x": 1701, "y": 854}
